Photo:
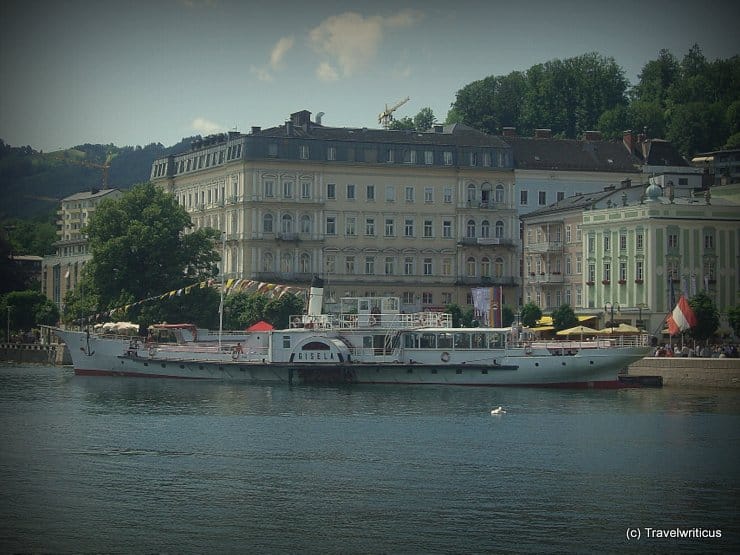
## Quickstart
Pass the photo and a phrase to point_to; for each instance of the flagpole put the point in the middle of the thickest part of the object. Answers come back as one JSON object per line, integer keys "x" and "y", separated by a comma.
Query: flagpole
{"x": 223, "y": 286}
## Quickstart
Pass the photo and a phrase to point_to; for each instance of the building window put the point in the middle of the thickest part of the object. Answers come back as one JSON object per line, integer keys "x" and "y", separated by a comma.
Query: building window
{"x": 607, "y": 274}
{"x": 672, "y": 240}
{"x": 446, "y": 266}
{"x": 286, "y": 224}
{"x": 390, "y": 193}
{"x": 485, "y": 267}
{"x": 303, "y": 152}
{"x": 272, "y": 149}
{"x": 331, "y": 225}
{"x": 471, "y": 229}
{"x": 560, "y": 196}
{"x": 287, "y": 189}
{"x": 567, "y": 233}
{"x": 408, "y": 266}
{"x": 708, "y": 241}
{"x": 269, "y": 189}
{"x": 523, "y": 197}
{"x": 268, "y": 262}
{"x": 578, "y": 233}
{"x": 331, "y": 191}
{"x": 304, "y": 263}
{"x": 591, "y": 244}
{"x": 638, "y": 270}
{"x": 370, "y": 227}
{"x": 369, "y": 265}
{"x": 331, "y": 153}
{"x": 349, "y": 265}
{"x": 407, "y": 297}
{"x": 473, "y": 158}
{"x": 427, "y": 298}
{"x": 267, "y": 223}
{"x": 408, "y": 227}
{"x": 447, "y": 195}
{"x": 607, "y": 243}
{"x": 499, "y": 194}
{"x": 622, "y": 271}
{"x": 350, "y": 226}
{"x": 350, "y": 192}
{"x": 428, "y": 195}
{"x": 447, "y": 158}
{"x": 409, "y": 194}
{"x": 427, "y": 266}
{"x": 390, "y": 266}
{"x": 390, "y": 155}
{"x": 446, "y": 298}
{"x": 305, "y": 224}
{"x": 306, "y": 190}
{"x": 428, "y": 228}
{"x": 499, "y": 229}
{"x": 591, "y": 272}
{"x": 370, "y": 192}
{"x": 485, "y": 229}
{"x": 470, "y": 266}
{"x": 389, "y": 227}
{"x": 542, "y": 198}
{"x": 447, "y": 229}
{"x": 472, "y": 194}
{"x": 428, "y": 157}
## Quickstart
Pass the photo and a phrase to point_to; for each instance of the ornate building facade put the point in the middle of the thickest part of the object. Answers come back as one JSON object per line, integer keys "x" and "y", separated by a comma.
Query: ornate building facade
{"x": 422, "y": 216}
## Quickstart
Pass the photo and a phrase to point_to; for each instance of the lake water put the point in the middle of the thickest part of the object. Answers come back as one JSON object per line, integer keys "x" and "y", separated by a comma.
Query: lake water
{"x": 132, "y": 465}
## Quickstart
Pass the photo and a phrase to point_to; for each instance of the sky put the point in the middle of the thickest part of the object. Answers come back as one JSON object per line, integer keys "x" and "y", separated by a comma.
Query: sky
{"x": 135, "y": 72}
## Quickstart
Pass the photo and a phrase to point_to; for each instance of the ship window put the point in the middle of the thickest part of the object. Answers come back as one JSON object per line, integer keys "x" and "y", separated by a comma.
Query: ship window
{"x": 315, "y": 346}
{"x": 286, "y": 342}
{"x": 458, "y": 371}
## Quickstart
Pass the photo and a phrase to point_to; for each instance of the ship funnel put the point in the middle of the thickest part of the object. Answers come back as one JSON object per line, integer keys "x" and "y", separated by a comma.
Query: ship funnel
{"x": 316, "y": 296}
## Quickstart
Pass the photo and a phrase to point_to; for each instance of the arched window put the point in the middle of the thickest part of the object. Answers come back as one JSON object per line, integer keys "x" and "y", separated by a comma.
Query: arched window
{"x": 499, "y": 229}
{"x": 498, "y": 267}
{"x": 305, "y": 223}
{"x": 267, "y": 223}
{"x": 485, "y": 228}
{"x": 305, "y": 263}
{"x": 499, "y": 194}
{"x": 470, "y": 266}
{"x": 485, "y": 194}
{"x": 286, "y": 263}
{"x": 485, "y": 267}
{"x": 471, "y": 229}
{"x": 287, "y": 223}
{"x": 268, "y": 262}
{"x": 471, "y": 193}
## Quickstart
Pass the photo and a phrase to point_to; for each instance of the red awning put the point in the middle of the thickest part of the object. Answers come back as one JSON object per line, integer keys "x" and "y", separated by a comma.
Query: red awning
{"x": 261, "y": 326}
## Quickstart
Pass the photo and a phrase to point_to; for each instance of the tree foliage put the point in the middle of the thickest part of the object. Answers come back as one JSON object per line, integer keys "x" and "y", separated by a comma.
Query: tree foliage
{"x": 530, "y": 314}
{"x": 707, "y": 317}
{"x": 422, "y": 121}
{"x": 140, "y": 249}
{"x": 692, "y": 102}
{"x": 244, "y": 309}
{"x": 733, "y": 317}
{"x": 564, "y": 317}
{"x": 28, "y": 310}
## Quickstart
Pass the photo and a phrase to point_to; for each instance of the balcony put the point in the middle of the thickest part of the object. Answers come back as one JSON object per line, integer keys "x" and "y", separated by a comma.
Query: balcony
{"x": 505, "y": 281}
{"x": 294, "y": 237}
{"x": 543, "y": 248}
{"x": 486, "y": 241}
{"x": 546, "y": 279}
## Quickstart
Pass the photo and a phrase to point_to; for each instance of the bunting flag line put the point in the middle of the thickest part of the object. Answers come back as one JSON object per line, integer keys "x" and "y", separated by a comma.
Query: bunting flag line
{"x": 231, "y": 286}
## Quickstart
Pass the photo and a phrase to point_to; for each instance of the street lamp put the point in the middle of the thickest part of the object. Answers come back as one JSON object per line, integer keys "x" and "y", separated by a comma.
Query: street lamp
{"x": 609, "y": 307}
{"x": 640, "y": 306}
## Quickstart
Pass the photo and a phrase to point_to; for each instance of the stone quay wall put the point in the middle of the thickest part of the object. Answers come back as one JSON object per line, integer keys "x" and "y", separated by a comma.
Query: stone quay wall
{"x": 690, "y": 371}
{"x": 35, "y": 353}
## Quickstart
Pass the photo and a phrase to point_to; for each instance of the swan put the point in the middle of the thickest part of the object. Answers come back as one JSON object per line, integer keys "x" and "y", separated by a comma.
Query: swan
{"x": 498, "y": 410}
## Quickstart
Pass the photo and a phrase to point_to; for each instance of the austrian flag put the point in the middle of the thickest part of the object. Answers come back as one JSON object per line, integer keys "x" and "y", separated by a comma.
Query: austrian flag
{"x": 682, "y": 318}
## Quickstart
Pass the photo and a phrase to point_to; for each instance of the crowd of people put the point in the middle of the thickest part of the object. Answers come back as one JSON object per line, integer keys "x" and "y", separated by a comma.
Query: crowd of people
{"x": 718, "y": 350}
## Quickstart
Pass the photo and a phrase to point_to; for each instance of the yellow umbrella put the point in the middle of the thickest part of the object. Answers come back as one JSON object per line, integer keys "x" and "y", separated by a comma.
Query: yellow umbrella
{"x": 626, "y": 328}
{"x": 577, "y": 330}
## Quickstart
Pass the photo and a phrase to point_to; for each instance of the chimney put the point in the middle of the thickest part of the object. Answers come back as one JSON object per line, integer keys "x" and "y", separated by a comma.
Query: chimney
{"x": 543, "y": 133}
{"x": 509, "y": 131}
{"x": 628, "y": 138}
{"x": 256, "y": 129}
{"x": 289, "y": 128}
{"x": 301, "y": 119}
{"x": 438, "y": 128}
{"x": 592, "y": 135}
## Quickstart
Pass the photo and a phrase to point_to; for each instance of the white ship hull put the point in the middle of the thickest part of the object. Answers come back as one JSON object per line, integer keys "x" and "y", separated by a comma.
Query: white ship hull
{"x": 532, "y": 365}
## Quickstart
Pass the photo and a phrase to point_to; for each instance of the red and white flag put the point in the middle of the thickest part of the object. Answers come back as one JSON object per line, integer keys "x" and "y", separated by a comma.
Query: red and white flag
{"x": 682, "y": 318}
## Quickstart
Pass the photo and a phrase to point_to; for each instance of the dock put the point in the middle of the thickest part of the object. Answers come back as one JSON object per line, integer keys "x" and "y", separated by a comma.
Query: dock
{"x": 689, "y": 371}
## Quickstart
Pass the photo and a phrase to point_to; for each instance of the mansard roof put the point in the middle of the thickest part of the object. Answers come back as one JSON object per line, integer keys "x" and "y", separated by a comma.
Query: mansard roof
{"x": 569, "y": 154}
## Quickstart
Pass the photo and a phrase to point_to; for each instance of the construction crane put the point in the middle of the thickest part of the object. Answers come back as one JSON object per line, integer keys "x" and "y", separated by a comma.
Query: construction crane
{"x": 386, "y": 116}
{"x": 105, "y": 167}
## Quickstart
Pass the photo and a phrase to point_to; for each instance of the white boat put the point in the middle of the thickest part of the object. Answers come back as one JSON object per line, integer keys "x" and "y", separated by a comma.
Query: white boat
{"x": 369, "y": 341}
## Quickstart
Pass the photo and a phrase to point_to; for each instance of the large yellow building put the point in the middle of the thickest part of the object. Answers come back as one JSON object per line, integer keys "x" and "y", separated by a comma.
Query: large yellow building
{"x": 422, "y": 216}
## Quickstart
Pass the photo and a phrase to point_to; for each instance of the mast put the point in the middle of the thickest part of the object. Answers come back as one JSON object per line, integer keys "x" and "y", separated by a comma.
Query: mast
{"x": 223, "y": 286}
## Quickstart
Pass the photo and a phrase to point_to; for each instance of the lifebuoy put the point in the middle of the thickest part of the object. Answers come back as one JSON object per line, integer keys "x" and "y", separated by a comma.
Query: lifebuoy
{"x": 234, "y": 355}
{"x": 445, "y": 357}
{"x": 152, "y": 351}
{"x": 373, "y": 320}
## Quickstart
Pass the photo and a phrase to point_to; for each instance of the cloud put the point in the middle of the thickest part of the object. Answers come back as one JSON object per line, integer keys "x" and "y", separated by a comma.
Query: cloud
{"x": 279, "y": 51}
{"x": 326, "y": 72}
{"x": 352, "y": 41}
{"x": 261, "y": 73}
{"x": 205, "y": 127}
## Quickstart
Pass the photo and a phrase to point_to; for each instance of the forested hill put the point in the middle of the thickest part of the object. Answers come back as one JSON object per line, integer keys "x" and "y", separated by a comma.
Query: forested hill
{"x": 32, "y": 183}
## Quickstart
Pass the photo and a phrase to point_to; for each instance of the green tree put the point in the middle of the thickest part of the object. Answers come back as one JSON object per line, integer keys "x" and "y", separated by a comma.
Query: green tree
{"x": 241, "y": 310}
{"x": 707, "y": 317}
{"x": 278, "y": 311}
{"x": 455, "y": 311}
{"x": 507, "y": 316}
{"x": 530, "y": 314}
{"x": 28, "y": 309}
{"x": 140, "y": 249}
{"x": 656, "y": 78}
{"x": 422, "y": 121}
{"x": 563, "y": 317}
{"x": 733, "y": 317}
